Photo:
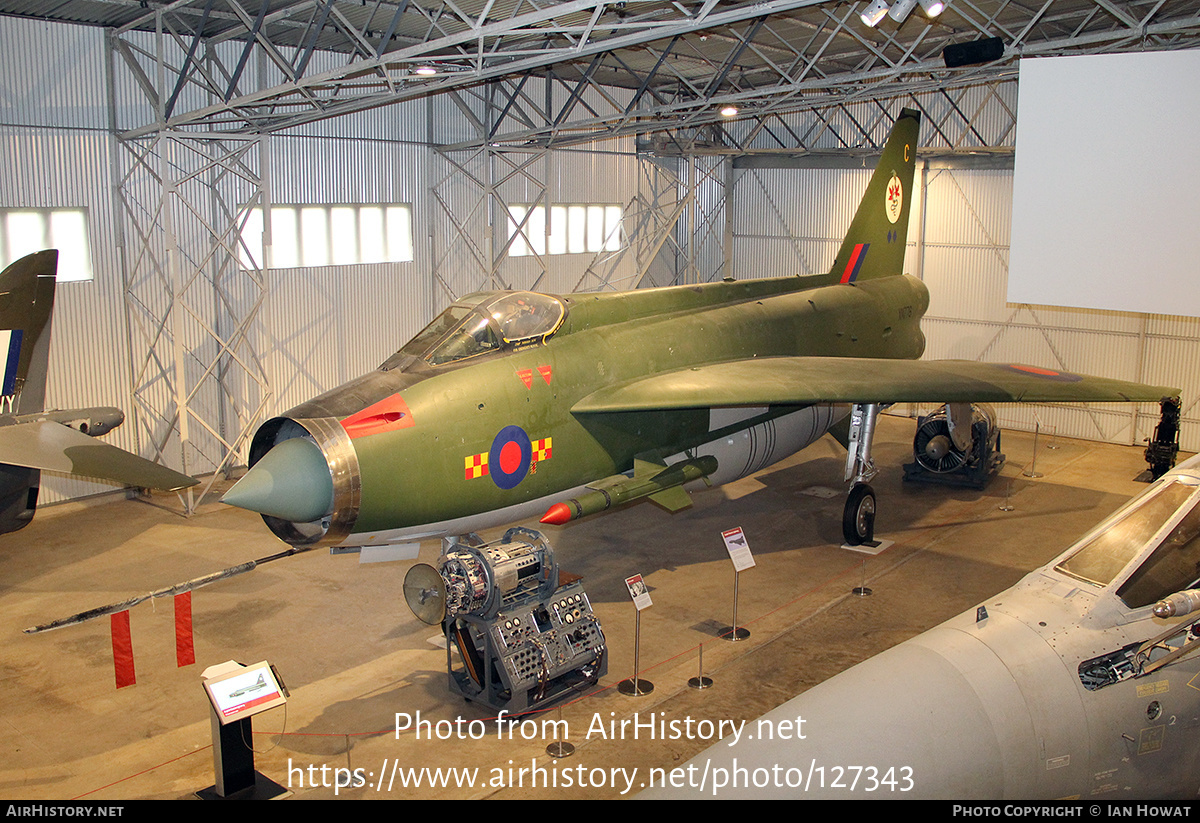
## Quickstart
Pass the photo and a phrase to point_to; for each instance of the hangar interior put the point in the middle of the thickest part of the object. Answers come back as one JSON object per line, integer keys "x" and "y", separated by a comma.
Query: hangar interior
{"x": 558, "y": 146}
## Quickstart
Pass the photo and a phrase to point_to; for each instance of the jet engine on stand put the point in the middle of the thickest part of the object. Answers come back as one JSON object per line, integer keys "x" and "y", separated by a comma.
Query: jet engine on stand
{"x": 958, "y": 444}
{"x": 525, "y": 635}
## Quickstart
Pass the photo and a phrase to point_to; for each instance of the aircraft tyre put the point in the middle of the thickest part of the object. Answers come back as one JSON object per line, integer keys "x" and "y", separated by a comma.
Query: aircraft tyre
{"x": 858, "y": 518}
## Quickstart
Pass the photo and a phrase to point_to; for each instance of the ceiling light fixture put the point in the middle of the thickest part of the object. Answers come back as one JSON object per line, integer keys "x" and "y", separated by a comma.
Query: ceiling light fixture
{"x": 425, "y": 71}
{"x": 729, "y": 111}
{"x": 901, "y": 9}
{"x": 932, "y": 8}
{"x": 874, "y": 12}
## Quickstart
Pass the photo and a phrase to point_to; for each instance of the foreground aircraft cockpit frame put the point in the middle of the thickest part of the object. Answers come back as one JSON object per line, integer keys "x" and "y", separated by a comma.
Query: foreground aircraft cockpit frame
{"x": 1149, "y": 549}
{"x": 1145, "y": 563}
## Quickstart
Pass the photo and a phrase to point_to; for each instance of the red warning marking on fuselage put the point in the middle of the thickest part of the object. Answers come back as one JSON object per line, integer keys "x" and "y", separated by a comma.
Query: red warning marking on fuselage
{"x": 526, "y": 375}
{"x": 388, "y": 414}
{"x": 1058, "y": 376}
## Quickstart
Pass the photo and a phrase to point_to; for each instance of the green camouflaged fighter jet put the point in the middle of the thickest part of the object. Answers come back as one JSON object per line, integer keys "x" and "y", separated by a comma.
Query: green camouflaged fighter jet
{"x": 515, "y": 405}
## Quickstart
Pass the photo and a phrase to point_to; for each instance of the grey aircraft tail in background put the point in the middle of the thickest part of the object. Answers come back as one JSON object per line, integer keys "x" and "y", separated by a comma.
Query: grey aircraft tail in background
{"x": 32, "y": 439}
{"x": 1080, "y": 682}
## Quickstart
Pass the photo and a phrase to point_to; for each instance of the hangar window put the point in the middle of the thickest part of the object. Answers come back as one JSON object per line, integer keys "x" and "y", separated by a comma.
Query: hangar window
{"x": 25, "y": 231}
{"x": 577, "y": 229}
{"x": 341, "y": 235}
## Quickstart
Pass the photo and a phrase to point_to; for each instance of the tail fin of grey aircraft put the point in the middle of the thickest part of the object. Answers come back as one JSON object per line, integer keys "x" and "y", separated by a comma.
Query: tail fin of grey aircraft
{"x": 874, "y": 245}
{"x": 32, "y": 439}
{"x": 26, "y": 301}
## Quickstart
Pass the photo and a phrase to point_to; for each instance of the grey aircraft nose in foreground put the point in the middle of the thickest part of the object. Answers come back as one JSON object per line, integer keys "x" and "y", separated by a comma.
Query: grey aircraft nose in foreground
{"x": 1081, "y": 681}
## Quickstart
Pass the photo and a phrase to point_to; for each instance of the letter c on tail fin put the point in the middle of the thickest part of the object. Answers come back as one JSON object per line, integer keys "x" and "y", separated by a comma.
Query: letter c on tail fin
{"x": 874, "y": 245}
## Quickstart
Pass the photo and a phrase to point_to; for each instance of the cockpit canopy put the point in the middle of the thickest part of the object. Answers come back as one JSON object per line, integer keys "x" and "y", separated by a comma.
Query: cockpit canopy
{"x": 1167, "y": 517}
{"x": 484, "y": 323}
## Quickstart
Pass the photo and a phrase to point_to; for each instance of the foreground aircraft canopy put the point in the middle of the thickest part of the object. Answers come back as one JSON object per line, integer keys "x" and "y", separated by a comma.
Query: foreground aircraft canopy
{"x": 1079, "y": 682}
{"x": 31, "y": 439}
{"x": 515, "y": 405}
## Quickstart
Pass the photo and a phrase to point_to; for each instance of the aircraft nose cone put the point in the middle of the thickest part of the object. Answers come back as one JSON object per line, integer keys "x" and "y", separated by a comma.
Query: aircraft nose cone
{"x": 291, "y": 482}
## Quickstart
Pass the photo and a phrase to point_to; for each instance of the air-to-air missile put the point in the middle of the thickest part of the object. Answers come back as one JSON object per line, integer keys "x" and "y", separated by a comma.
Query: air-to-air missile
{"x": 1082, "y": 681}
{"x": 33, "y": 439}
{"x": 516, "y": 405}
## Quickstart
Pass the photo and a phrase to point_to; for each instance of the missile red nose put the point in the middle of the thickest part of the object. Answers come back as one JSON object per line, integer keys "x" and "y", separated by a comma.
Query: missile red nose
{"x": 557, "y": 514}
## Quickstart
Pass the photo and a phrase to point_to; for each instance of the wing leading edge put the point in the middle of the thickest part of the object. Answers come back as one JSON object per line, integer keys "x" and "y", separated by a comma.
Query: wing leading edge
{"x": 54, "y": 447}
{"x": 807, "y": 380}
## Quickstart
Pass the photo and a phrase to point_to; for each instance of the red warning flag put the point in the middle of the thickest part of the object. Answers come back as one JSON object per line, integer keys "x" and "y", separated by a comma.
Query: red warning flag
{"x": 122, "y": 646}
{"x": 185, "y": 653}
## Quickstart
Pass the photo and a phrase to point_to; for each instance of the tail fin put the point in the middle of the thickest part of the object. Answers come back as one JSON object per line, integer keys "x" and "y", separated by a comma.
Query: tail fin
{"x": 874, "y": 245}
{"x": 26, "y": 301}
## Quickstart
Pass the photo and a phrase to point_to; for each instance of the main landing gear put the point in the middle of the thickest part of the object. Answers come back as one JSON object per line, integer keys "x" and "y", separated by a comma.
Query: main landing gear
{"x": 858, "y": 518}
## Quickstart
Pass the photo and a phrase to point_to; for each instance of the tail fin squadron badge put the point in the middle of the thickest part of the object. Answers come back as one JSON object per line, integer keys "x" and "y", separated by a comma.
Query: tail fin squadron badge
{"x": 895, "y": 199}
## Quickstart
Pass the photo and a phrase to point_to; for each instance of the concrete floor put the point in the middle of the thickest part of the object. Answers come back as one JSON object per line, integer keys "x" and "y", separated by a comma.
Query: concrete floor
{"x": 353, "y": 655}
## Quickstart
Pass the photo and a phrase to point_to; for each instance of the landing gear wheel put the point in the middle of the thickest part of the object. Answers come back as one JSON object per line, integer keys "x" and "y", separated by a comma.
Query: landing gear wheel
{"x": 858, "y": 518}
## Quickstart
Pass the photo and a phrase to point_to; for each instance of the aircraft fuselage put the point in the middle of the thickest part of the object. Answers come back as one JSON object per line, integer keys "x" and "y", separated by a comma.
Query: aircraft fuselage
{"x": 511, "y": 405}
{"x": 511, "y": 411}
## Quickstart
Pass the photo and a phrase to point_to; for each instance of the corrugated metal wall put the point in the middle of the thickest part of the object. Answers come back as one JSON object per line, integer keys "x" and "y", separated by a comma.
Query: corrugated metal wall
{"x": 778, "y": 227}
{"x": 322, "y": 326}
{"x": 56, "y": 153}
{"x": 318, "y": 326}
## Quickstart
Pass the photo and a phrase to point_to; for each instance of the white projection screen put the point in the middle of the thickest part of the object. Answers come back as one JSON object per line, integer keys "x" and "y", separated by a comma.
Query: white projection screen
{"x": 1106, "y": 183}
